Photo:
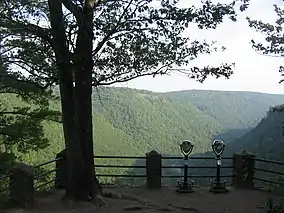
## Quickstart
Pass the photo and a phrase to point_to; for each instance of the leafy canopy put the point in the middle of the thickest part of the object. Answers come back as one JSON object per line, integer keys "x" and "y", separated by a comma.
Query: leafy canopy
{"x": 274, "y": 37}
{"x": 131, "y": 38}
{"x": 23, "y": 107}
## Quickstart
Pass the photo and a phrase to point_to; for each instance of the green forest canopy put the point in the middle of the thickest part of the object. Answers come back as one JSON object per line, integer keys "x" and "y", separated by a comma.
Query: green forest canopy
{"x": 132, "y": 122}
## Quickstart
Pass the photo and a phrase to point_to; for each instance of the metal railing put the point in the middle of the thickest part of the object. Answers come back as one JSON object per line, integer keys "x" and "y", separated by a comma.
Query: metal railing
{"x": 163, "y": 167}
{"x": 41, "y": 173}
{"x": 267, "y": 163}
{"x": 38, "y": 176}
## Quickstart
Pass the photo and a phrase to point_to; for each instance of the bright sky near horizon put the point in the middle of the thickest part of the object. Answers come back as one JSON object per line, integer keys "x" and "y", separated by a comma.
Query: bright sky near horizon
{"x": 253, "y": 72}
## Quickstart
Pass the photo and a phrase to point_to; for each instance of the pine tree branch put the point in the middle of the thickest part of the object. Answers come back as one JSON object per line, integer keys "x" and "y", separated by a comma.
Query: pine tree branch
{"x": 29, "y": 28}
{"x": 30, "y": 114}
{"x": 27, "y": 82}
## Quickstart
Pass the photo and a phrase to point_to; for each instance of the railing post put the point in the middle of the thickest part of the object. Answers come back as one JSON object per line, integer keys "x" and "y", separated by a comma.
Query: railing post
{"x": 154, "y": 170}
{"x": 61, "y": 176}
{"x": 22, "y": 185}
{"x": 243, "y": 172}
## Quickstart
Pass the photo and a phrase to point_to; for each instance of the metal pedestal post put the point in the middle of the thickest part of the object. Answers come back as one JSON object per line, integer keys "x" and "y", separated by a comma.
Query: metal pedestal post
{"x": 185, "y": 186}
{"x": 218, "y": 185}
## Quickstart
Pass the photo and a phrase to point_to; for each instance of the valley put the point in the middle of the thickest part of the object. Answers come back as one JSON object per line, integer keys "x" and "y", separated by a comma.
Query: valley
{"x": 133, "y": 122}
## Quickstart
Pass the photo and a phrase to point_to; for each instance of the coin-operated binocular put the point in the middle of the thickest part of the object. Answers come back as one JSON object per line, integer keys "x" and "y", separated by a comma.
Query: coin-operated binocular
{"x": 218, "y": 185}
{"x": 185, "y": 186}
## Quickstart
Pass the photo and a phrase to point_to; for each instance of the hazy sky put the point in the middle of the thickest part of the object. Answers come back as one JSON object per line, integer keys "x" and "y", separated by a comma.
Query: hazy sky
{"x": 253, "y": 72}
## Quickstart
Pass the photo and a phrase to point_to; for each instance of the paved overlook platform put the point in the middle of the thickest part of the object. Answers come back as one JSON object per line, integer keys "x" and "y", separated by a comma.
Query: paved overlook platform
{"x": 127, "y": 199}
{"x": 24, "y": 182}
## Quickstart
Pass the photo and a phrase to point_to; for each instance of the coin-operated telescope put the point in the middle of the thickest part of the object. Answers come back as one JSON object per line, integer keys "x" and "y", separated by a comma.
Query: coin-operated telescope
{"x": 218, "y": 185}
{"x": 185, "y": 186}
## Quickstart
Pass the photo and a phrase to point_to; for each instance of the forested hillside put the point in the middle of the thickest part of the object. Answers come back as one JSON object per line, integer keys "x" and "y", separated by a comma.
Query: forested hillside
{"x": 128, "y": 121}
{"x": 235, "y": 110}
{"x": 133, "y": 122}
{"x": 266, "y": 139}
{"x": 154, "y": 121}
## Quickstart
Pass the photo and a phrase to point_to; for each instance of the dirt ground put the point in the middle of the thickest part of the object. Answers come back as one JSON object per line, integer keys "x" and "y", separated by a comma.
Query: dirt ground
{"x": 139, "y": 200}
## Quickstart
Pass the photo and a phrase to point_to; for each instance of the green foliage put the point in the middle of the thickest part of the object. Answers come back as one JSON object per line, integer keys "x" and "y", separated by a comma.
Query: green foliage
{"x": 265, "y": 140}
{"x": 273, "y": 44}
{"x": 133, "y": 122}
{"x": 234, "y": 111}
{"x": 116, "y": 40}
{"x": 153, "y": 120}
{"x": 24, "y": 105}
{"x": 21, "y": 129}
{"x": 162, "y": 121}
{"x": 131, "y": 39}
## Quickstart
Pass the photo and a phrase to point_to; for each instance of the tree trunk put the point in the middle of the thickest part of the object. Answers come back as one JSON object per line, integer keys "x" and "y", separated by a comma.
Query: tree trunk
{"x": 74, "y": 153}
{"x": 83, "y": 93}
{"x": 76, "y": 102}
{"x": 84, "y": 121}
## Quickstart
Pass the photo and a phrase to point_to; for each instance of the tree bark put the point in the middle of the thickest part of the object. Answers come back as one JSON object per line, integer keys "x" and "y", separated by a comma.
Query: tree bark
{"x": 83, "y": 93}
{"x": 76, "y": 101}
{"x": 74, "y": 153}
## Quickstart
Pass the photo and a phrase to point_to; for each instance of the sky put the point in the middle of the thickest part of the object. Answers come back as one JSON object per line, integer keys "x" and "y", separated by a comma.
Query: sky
{"x": 253, "y": 72}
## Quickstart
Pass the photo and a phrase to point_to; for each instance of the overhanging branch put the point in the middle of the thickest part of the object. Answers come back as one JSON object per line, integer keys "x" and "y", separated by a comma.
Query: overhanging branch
{"x": 160, "y": 71}
{"x": 23, "y": 81}
{"x": 29, "y": 114}
{"x": 107, "y": 37}
{"x": 19, "y": 27}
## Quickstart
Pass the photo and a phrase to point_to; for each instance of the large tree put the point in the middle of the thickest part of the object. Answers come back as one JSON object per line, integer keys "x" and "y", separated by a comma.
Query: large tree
{"x": 83, "y": 43}
{"x": 273, "y": 44}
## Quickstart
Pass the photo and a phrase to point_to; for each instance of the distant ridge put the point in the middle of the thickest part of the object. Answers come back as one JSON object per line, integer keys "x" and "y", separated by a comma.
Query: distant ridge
{"x": 193, "y": 90}
{"x": 133, "y": 122}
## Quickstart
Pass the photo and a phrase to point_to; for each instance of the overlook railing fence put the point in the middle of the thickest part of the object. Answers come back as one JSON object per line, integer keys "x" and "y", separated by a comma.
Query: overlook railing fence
{"x": 162, "y": 166}
{"x": 269, "y": 163}
{"x": 25, "y": 179}
{"x": 40, "y": 176}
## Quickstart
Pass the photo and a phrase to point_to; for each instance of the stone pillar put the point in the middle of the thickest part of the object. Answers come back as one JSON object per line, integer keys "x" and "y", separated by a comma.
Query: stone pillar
{"x": 243, "y": 170}
{"x": 154, "y": 170}
{"x": 61, "y": 174}
{"x": 22, "y": 185}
